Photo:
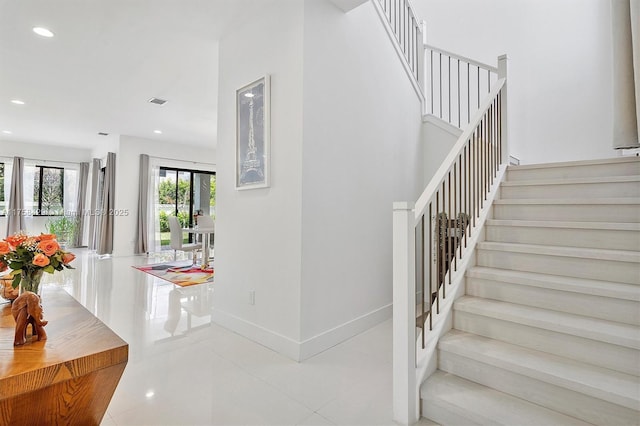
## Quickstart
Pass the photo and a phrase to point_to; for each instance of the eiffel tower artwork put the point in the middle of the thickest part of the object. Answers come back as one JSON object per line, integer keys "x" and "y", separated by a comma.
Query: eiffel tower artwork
{"x": 251, "y": 149}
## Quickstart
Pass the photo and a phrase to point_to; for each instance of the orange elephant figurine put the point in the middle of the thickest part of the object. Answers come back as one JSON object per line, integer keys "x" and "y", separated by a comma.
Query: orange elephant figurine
{"x": 26, "y": 309}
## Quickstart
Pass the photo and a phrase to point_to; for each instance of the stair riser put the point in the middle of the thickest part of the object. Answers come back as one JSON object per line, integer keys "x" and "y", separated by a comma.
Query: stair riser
{"x": 606, "y": 308}
{"x": 567, "y": 237}
{"x": 576, "y": 190}
{"x": 631, "y": 168}
{"x": 572, "y": 403}
{"x": 628, "y": 213}
{"x": 605, "y": 270}
{"x": 591, "y": 351}
{"x": 445, "y": 415}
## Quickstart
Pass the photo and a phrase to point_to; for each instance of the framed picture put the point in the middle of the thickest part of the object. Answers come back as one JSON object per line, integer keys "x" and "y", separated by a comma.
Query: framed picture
{"x": 252, "y": 134}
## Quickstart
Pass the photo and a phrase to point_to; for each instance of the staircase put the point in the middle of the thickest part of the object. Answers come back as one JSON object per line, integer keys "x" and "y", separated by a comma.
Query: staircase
{"x": 548, "y": 332}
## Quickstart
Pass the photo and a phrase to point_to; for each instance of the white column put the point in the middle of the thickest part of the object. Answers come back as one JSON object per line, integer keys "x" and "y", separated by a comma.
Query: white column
{"x": 405, "y": 393}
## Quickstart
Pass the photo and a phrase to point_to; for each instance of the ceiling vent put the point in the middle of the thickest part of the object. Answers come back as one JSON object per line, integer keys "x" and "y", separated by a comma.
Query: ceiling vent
{"x": 157, "y": 101}
{"x": 103, "y": 134}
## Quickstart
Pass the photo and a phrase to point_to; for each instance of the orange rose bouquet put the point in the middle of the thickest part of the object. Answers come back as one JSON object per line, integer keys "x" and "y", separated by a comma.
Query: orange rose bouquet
{"x": 30, "y": 256}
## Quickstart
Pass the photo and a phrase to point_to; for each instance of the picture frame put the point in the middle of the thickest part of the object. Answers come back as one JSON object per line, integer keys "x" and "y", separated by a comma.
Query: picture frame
{"x": 253, "y": 134}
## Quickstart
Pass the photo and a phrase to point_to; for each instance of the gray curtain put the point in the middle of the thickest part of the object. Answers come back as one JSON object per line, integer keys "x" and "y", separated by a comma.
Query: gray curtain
{"x": 15, "y": 217}
{"x": 82, "y": 200}
{"x": 625, "y": 15}
{"x": 105, "y": 231}
{"x": 142, "y": 237}
{"x": 93, "y": 206}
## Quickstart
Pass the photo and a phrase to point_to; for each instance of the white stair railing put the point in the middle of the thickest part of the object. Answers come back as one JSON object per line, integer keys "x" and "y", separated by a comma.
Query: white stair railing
{"x": 455, "y": 85}
{"x": 449, "y": 86}
{"x": 407, "y": 34}
{"x": 430, "y": 237}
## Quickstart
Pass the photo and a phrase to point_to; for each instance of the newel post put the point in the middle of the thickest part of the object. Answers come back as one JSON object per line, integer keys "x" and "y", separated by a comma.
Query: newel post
{"x": 405, "y": 398}
{"x": 503, "y": 65}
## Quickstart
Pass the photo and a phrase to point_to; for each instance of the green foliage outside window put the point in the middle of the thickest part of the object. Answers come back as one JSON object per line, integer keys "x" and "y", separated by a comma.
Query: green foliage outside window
{"x": 183, "y": 218}
{"x": 48, "y": 193}
{"x": 167, "y": 193}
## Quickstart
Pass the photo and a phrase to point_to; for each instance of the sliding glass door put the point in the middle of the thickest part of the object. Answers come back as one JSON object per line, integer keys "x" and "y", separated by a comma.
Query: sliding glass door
{"x": 184, "y": 194}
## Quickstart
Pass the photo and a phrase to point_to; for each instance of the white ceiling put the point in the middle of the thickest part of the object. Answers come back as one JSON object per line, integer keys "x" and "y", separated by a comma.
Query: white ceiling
{"x": 108, "y": 57}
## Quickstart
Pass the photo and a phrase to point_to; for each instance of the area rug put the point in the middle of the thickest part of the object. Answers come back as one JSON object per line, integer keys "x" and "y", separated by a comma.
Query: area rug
{"x": 180, "y": 273}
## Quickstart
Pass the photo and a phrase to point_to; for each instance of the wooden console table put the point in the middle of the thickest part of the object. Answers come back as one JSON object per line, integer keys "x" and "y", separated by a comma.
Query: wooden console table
{"x": 68, "y": 378}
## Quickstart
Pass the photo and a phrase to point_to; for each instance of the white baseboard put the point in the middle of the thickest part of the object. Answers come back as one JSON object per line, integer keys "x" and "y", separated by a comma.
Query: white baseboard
{"x": 296, "y": 350}
{"x": 275, "y": 341}
{"x": 332, "y": 337}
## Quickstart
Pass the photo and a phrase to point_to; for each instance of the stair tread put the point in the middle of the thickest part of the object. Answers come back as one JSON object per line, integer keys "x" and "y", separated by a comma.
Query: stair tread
{"x": 582, "y": 252}
{"x": 609, "y": 385}
{"x": 578, "y": 325}
{"x": 572, "y": 181}
{"x": 578, "y": 163}
{"x": 570, "y": 201}
{"x": 558, "y": 282}
{"x": 488, "y": 406}
{"x": 462, "y": 398}
{"x": 613, "y": 226}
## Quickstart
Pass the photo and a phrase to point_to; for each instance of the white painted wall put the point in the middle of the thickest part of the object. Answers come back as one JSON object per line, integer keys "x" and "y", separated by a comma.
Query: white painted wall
{"x": 345, "y": 144}
{"x": 438, "y": 137}
{"x": 111, "y": 144}
{"x": 128, "y": 175}
{"x": 258, "y": 232}
{"x": 560, "y": 77}
{"x": 46, "y": 153}
{"x": 361, "y": 152}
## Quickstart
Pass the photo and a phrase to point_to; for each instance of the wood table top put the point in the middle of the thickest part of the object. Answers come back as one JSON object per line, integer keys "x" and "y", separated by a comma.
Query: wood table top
{"x": 77, "y": 344}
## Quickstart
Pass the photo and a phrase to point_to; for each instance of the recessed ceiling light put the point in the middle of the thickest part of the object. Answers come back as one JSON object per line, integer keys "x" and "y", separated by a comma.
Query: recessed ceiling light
{"x": 44, "y": 32}
{"x": 8, "y": 132}
{"x": 17, "y": 102}
{"x": 103, "y": 134}
{"x": 249, "y": 95}
{"x": 158, "y": 132}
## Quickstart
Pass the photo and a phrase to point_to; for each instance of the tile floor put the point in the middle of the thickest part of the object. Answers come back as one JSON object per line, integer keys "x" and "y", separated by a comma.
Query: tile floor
{"x": 185, "y": 370}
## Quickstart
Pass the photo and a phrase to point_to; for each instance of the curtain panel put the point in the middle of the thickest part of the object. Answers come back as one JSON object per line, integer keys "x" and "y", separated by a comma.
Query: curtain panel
{"x": 15, "y": 213}
{"x": 83, "y": 176}
{"x": 93, "y": 203}
{"x": 625, "y": 15}
{"x": 144, "y": 203}
{"x": 105, "y": 230}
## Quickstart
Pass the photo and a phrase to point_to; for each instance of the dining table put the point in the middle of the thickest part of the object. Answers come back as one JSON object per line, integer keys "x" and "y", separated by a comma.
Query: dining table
{"x": 205, "y": 236}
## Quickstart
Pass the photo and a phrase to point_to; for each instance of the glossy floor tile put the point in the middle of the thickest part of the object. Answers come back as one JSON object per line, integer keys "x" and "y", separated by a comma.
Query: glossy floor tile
{"x": 185, "y": 370}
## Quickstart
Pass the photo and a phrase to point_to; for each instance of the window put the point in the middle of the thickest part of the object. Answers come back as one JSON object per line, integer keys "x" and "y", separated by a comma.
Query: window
{"x": 48, "y": 190}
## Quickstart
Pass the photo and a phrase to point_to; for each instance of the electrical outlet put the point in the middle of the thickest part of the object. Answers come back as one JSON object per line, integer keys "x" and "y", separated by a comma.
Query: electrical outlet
{"x": 252, "y": 297}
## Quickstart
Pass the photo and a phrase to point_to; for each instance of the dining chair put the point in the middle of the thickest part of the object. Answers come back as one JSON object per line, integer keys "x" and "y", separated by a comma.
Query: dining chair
{"x": 206, "y": 222}
{"x": 176, "y": 240}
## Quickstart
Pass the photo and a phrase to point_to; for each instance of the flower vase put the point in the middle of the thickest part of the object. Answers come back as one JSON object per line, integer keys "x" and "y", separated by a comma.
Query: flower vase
{"x": 30, "y": 281}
